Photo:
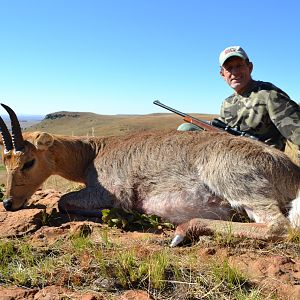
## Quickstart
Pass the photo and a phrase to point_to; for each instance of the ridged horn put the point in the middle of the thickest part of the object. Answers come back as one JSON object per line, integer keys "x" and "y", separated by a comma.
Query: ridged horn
{"x": 6, "y": 138}
{"x": 17, "y": 138}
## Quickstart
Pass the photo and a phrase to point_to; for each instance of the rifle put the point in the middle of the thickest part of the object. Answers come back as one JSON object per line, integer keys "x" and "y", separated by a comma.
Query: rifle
{"x": 214, "y": 125}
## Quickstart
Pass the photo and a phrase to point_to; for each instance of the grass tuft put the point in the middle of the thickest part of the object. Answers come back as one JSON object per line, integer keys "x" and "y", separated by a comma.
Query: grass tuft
{"x": 294, "y": 236}
{"x": 230, "y": 276}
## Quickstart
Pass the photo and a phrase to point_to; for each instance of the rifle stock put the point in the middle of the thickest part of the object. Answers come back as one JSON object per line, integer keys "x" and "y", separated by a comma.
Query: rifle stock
{"x": 200, "y": 123}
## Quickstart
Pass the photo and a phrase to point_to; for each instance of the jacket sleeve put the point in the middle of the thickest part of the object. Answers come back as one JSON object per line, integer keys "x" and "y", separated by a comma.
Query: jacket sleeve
{"x": 285, "y": 114}
{"x": 222, "y": 115}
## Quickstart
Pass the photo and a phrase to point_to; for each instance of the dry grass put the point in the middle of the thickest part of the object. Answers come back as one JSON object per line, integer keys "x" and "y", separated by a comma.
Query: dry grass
{"x": 292, "y": 152}
{"x": 106, "y": 261}
{"x": 105, "y": 265}
{"x": 99, "y": 125}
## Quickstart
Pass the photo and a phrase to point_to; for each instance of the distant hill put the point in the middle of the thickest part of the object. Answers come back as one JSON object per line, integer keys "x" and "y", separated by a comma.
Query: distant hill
{"x": 25, "y": 120}
{"x": 91, "y": 124}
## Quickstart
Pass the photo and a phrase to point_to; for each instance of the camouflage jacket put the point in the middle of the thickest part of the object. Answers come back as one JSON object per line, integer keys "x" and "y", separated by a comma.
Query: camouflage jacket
{"x": 265, "y": 111}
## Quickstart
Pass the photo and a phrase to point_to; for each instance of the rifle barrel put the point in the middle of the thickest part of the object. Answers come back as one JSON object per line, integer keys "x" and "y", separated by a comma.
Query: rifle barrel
{"x": 157, "y": 102}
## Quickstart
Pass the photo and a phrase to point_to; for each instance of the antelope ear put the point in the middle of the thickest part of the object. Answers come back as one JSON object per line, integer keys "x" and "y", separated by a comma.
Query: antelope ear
{"x": 42, "y": 140}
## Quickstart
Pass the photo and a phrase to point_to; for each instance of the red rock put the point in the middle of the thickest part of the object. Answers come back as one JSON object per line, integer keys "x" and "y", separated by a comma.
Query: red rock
{"x": 19, "y": 223}
{"x": 15, "y": 293}
{"x": 136, "y": 295}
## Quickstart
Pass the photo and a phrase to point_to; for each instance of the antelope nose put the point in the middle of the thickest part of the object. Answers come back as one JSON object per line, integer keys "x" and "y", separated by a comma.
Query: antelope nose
{"x": 7, "y": 203}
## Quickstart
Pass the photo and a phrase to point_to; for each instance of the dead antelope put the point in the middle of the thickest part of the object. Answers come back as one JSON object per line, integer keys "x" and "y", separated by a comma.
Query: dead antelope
{"x": 192, "y": 179}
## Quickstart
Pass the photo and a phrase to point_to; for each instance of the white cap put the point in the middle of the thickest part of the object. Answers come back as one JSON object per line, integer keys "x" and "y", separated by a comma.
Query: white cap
{"x": 232, "y": 51}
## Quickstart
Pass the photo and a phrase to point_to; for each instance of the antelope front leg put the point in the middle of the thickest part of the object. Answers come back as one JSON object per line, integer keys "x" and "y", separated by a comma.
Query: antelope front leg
{"x": 196, "y": 227}
{"x": 86, "y": 202}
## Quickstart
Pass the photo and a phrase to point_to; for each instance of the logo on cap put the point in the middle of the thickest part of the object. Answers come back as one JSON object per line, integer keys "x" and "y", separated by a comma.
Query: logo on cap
{"x": 229, "y": 50}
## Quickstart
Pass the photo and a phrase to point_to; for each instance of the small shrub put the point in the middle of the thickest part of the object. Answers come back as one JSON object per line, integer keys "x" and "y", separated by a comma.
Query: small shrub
{"x": 2, "y": 192}
{"x": 128, "y": 220}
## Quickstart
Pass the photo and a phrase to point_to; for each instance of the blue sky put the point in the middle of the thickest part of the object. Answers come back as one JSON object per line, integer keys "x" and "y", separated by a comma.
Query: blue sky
{"x": 117, "y": 56}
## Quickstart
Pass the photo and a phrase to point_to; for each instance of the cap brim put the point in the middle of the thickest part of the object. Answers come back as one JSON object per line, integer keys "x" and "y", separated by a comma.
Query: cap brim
{"x": 231, "y": 55}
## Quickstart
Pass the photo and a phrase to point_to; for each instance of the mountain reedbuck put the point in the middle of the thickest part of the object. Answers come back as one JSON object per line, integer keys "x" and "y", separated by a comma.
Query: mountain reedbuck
{"x": 198, "y": 181}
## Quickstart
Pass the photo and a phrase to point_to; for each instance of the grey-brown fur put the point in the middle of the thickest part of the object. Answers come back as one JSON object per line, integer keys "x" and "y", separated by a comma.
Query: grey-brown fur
{"x": 176, "y": 175}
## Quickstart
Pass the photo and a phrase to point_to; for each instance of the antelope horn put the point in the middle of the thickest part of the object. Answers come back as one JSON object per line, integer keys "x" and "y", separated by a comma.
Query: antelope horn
{"x": 17, "y": 138}
{"x": 6, "y": 138}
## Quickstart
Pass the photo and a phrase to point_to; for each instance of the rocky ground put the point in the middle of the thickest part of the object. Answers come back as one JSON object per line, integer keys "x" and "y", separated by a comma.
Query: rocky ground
{"x": 273, "y": 269}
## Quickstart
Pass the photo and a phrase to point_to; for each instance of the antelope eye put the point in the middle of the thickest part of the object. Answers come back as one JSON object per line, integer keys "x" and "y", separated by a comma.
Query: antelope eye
{"x": 28, "y": 165}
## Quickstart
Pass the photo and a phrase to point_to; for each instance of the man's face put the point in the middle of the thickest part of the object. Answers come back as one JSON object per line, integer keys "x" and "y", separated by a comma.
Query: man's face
{"x": 237, "y": 73}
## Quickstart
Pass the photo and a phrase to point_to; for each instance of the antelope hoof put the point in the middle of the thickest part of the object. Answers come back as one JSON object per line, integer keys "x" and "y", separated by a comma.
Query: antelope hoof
{"x": 177, "y": 240}
{"x": 7, "y": 203}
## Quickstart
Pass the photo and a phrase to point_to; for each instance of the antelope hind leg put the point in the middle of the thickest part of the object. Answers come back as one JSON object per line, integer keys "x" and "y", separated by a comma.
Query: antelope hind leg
{"x": 197, "y": 227}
